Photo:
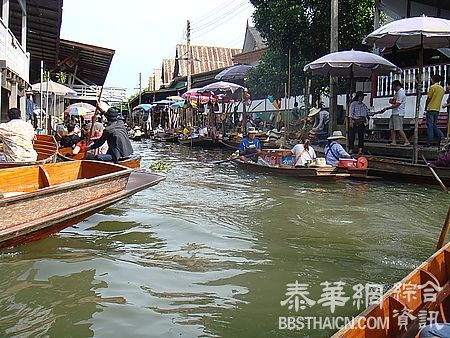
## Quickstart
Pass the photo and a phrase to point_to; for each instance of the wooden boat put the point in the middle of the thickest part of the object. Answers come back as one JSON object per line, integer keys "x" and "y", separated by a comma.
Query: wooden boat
{"x": 65, "y": 154}
{"x": 46, "y": 148}
{"x": 166, "y": 138}
{"x": 433, "y": 277}
{"x": 232, "y": 144}
{"x": 402, "y": 170}
{"x": 322, "y": 173}
{"x": 201, "y": 141}
{"x": 50, "y": 197}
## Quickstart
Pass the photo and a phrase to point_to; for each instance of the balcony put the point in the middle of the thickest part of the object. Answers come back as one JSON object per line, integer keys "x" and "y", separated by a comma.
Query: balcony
{"x": 11, "y": 51}
{"x": 408, "y": 78}
{"x": 91, "y": 93}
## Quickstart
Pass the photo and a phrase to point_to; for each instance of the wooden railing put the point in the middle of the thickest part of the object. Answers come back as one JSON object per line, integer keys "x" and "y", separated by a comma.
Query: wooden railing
{"x": 408, "y": 78}
{"x": 109, "y": 94}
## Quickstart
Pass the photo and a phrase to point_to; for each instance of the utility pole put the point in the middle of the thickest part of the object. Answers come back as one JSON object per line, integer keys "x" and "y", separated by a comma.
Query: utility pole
{"x": 140, "y": 87}
{"x": 188, "y": 47}
{"x": 334, "y": 46}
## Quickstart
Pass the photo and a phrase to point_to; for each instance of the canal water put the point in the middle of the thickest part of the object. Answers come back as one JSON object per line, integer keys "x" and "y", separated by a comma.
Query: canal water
{"x": 213, "y": 251}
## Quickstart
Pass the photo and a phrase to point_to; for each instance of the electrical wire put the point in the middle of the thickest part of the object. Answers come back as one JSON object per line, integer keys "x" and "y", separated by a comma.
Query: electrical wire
{"x": 220, "y": 17}
{"x": 217, "y": 11}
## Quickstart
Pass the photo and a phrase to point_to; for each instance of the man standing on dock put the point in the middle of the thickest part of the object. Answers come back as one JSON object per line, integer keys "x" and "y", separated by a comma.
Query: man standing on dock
{"x": 433, "y": 106}
{"x": 17, "y": 136}
{"x": 398, "y": 103}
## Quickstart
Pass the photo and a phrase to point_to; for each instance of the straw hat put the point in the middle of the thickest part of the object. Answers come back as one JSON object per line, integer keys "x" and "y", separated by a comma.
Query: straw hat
{"x": 337, "y": 135}
{"x": 321, "y": 162}
{"x": 313, "y": 111}
{"x": 252, "y": 130}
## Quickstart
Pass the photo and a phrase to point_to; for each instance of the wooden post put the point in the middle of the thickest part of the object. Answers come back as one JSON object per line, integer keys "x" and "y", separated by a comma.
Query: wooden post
{"x": 444, "y": 231}
{"x": 188, "y": 47}
{"x": 334, "y": 46}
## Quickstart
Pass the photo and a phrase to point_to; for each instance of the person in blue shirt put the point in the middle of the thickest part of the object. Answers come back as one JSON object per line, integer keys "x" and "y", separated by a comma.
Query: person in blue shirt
{"x": 250, "y": 146}
{"x": 334, "y": 150}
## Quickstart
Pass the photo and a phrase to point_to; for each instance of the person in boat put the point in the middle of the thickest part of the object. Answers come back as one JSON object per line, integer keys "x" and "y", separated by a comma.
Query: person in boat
{"x": 82, "y": 146}
{"x": 398, "y": 103}
{"x": 71, "y": 138}
{"x": 60, "y": 131}
{"x": 115, "y": 134}
{"x": 303, "y": 153}
{"x": 203, "y": 132}
{"x": 334, "y": 151}
{"x": 250, "y": 146}
{"x": 295, "y": 111}
{"x": 359, "y": 118}
{"x": 17, "y": 136}
{"x": 436, "y": 330}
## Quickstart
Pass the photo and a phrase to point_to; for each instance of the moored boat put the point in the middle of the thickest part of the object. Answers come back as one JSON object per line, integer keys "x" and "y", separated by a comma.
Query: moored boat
{"x": 46, "y": 148}
{"x": 65, "y": 154}
{"x": 232, "y": 144}
{"x": 200, "y": 141}
{"x": 421, "y": 296}
{"x": 70, "y": 192}
{"x": 166, "y": 137}
{"x": 406, "y": 171}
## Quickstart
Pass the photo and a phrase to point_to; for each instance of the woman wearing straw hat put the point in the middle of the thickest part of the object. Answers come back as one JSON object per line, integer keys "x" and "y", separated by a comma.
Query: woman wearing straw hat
{"x": 334, "y": 150}
{"x": 321, "y": 118}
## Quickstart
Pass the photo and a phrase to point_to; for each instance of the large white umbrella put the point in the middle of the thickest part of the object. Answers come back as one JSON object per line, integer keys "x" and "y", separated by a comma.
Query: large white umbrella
{"x": 351, "y": 64}
{"x": 54, "y": 88}
{"x": 221, "y": 86}
{"x": 423, "y": 32}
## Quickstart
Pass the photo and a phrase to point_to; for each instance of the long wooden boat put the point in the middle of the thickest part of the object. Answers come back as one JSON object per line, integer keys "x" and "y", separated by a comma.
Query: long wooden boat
{"x": 321, "y": 173}
{"x": 166, "y": 138}
{"x": 201, "y": 141}
{"x": 402, "y": 170}
{"x": 46, "y": 148}
{"x": 65, "y": 154}
{"x": 50, "y": 197}
{"x": 426, "y": 290}
{"x": 230, "y": 144}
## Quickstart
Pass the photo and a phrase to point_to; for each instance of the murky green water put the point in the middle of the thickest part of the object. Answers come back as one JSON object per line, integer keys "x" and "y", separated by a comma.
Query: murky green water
{"x": 210, "y": 251}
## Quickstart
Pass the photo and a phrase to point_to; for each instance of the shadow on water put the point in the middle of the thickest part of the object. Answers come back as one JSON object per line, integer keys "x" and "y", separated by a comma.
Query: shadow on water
{"x": 210, "y": 251}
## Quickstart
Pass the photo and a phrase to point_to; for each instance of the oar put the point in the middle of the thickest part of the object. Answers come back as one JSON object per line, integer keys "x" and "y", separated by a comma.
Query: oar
{"x": 444, "y": 231}
{"x": 94, "y": 118}
{"x": 233, "y": 158}
{"x": 435, "y": 175}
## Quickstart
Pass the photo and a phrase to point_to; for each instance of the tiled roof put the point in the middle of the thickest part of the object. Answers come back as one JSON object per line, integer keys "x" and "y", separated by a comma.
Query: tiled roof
{"x": 253, "y": 40}
{"x": 204, "y": 59}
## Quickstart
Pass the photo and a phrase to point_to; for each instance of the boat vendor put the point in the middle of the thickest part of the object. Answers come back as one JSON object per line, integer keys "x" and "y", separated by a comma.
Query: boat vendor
{"x": 334, "y": 150}
{"x": 303, "y": 153}
{"x": 17, "y": 136}
{"x": 115, "y": 134}
{"x": 250, "y": 146}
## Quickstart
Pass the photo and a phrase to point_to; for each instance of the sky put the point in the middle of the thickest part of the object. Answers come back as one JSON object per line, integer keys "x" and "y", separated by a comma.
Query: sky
{"x": 143, "y": 32}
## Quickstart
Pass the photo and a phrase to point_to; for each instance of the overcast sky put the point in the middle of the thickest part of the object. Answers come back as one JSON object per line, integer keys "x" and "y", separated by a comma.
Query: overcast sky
{"x": 143, "y": 32}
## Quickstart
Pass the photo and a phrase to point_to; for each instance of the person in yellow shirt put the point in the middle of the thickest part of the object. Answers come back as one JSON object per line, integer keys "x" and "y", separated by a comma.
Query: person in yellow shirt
{"x": 432, "y": 106}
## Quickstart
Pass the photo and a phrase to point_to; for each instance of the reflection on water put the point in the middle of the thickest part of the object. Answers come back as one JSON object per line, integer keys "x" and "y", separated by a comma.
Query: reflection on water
{"x": 209, "y": 252}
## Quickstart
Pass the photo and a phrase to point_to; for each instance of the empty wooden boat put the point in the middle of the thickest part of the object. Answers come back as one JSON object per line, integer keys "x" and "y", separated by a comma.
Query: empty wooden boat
{"x": 46, "y": 148}
{"x": 65, "y": 154}
{"x": 201, "y": 141}
{"x": 50, "y": 197}
{"x": 406, "y": 171}
{"x": 424, "y": 293}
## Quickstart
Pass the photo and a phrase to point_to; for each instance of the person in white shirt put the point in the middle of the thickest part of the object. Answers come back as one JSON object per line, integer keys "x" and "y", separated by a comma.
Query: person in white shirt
{"x": 17, "y": 136}
{"x": 303, "y": 153}
{"x": 398, "y": 103}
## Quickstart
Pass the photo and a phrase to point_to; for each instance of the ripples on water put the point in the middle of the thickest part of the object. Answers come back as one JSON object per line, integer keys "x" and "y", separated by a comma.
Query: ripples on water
{"x": 209, "y": 252}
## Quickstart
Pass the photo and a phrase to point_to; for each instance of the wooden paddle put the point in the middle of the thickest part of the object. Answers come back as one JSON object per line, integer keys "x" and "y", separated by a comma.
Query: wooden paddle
{"x": 94, "y": 118}
{"x": 233, "y": 158}
{"x": 444, "y": 231}
{"x": 435, "y": 175}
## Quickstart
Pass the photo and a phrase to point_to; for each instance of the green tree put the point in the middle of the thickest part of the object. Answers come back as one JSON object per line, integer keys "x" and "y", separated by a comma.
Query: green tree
{"x": 303, "y": 26}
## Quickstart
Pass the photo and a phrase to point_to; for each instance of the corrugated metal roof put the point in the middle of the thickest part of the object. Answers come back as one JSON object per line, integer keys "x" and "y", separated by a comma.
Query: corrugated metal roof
{"x": 204, "y": 59}
{"x": 168, "y": 66}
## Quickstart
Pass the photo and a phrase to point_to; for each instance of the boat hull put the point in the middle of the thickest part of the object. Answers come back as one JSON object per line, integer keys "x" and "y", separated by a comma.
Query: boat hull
{"x": 399, "y": 170}
{"x": 325, "y": 173}
{"x": 24, "y": 219}
{"x": 64, "y": 155}
{"x": 230, "y": 144}
{"x": 201, "y": 142}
